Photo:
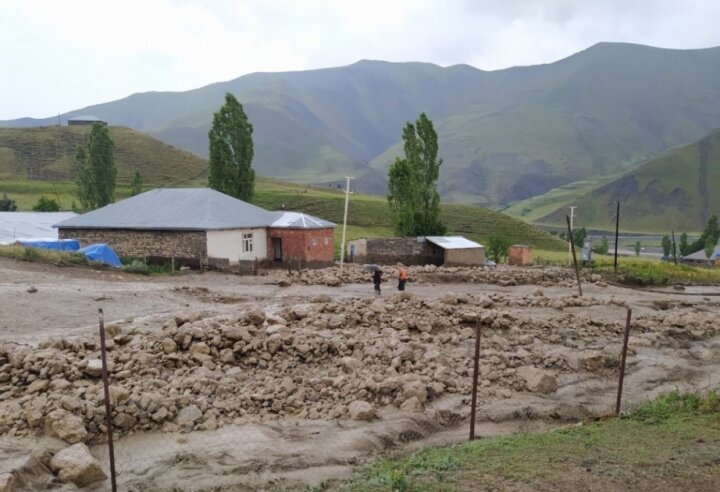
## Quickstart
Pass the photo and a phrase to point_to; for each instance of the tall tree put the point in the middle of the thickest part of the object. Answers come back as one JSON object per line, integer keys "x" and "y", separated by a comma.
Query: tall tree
{"x": 136, "y": 184}
{"x": 412, "y": 182}
{"x": 666, "y": 246}
{"x": 95, "y": 171}
{"x": 231, "y": 151}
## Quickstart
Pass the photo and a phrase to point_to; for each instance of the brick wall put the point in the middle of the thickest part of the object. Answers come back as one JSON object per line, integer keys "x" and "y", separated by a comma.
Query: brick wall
{"x": 468, "y": 256}
{"x": 520, "y": 255}
{"x": 129, "y": 242}
{"x": 312, "y": 247}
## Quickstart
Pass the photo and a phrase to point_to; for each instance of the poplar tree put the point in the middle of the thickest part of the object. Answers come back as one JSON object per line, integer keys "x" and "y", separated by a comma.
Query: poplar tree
{"x": 412, "y": 182}
{"x": 95, "y": 171}
{"x": 231, "y": 151}
{"x": 136, "y": 184}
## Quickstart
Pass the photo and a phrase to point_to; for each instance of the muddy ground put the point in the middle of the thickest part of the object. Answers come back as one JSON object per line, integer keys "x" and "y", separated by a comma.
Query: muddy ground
{"x": 675, "y": 344}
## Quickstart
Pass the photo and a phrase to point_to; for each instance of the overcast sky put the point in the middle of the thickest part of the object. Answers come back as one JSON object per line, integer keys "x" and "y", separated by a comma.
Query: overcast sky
{"x": 60, "y": 55}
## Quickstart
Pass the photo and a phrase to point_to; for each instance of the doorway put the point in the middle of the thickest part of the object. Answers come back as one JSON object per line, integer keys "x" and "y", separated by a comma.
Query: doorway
{"x": 277, "y": 248}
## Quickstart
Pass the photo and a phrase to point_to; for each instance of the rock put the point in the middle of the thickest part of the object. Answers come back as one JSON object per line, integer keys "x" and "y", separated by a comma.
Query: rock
{"x": 590, "y": 360}
{"x": 284, "y": 282}
{"x": 237, "y": 333}
{"x": 199, "y": 348}
{"x": 255, "y": 317}
{"x": 350, "y": 364}
{"x": 537, "y": 380}
{"x": 424, "y": 326}
{"x": 37, "y": 386}
{"x": 118, "y": 394}
{"x": 7, "y": 482}
{"x": 300, "y": 312}
{"x": 449, "y": 298}
{"x": 32, "y": 289}
{"x": 321, "y": 299}
{"x": 66, "y": 426}
{"x": 361, "y": 410}
{"x": 188, "y": 415}
{"x": 411, "y": 405}
{"x": 94, "y": 368}
{"x": 169, "y": 346}
{"x": 75, "y": 464}
{"x": 332, "y": 281}
{"x": 538, "y": 293}
{"x": 415, "y": 389}
{"x": 124, "y": 421}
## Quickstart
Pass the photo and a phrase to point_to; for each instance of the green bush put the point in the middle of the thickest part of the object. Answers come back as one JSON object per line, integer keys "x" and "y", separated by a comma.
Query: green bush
{"x": 137, "y": 266}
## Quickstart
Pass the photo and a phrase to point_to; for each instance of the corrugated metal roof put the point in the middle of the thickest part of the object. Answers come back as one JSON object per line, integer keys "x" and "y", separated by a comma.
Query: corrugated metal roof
{"x": 85, "y": 117}
{"x": 299, "y": 220}
{"x": 453, "y": 242}
{"x": 15, "y": 226}
{"x": 700, "y": 255}
{"x": 174, "y": 208}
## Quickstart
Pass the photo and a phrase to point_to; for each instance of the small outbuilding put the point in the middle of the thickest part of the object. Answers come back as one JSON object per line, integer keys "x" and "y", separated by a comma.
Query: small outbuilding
{"x": 295, "y": 237}
{"x": 459, "y": 251}
{"x": 520, "y": 255}
{"x": 430, "y": 250}
{"x": 85, "y": 119}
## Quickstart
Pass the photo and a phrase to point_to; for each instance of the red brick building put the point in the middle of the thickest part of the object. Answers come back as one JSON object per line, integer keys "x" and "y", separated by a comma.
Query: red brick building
{"x": 297, "y": 237}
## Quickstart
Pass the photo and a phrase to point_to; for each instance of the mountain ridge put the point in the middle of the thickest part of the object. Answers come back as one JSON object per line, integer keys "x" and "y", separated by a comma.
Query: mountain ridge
{"x": 504, "y": 135}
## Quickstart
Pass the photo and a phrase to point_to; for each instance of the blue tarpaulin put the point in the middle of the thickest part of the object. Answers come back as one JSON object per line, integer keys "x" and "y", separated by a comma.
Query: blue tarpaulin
{"x": 101, "y": 252}
{"x": 58, "y": 244}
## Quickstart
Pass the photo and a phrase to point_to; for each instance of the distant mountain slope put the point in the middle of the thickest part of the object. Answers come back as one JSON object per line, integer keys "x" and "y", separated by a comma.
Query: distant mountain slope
{"x": 504, "y": 135}
{"x": 678, "y": 190}
{"x": 49, "y": 153}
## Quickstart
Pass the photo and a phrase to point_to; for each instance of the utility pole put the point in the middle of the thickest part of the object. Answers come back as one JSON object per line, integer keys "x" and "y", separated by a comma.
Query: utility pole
{"x": 347, "y": 199}
{"x": 570, "y": 243}
{"x": 617, "y": 234}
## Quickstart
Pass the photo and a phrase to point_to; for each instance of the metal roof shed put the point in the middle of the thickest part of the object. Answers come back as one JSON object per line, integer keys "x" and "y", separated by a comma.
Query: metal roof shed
{"x": 459, "y": 251}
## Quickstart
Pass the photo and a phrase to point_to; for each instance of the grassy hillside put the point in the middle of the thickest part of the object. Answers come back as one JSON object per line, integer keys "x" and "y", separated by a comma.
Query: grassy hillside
{"x": 367, "y": 215}
{"x": 48, "y": 153}
{"x": 675, "y": 191}
{"x": 505, "y": 135}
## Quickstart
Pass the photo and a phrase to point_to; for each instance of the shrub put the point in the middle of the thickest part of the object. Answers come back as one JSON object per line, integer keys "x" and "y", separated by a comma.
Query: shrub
{"x": 137, "y": 266}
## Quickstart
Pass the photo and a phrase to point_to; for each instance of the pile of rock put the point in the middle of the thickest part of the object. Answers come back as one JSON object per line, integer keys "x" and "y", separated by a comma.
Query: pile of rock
{"x": 318, "y": 360}
{"x": 501, "y": 275}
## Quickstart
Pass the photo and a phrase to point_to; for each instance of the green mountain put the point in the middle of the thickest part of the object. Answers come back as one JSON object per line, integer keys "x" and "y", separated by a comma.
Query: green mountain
{"x": 675, "y": 191}
{"x": 505, "y": 135}
{"x": 48, "y": 153}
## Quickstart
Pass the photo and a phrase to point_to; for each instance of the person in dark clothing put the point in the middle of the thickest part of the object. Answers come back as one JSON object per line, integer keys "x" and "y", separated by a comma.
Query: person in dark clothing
{"x": 377, "y": 278}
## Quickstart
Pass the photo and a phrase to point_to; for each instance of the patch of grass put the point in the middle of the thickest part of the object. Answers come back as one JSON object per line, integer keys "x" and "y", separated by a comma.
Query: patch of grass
{"x": 665, "y": 444}
{"x": 60, "y": 258}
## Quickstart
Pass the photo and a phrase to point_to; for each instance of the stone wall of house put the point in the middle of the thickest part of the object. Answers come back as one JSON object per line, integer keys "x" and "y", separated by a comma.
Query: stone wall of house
{"x": 465, "y": 257}
{"x": 391, "y": 250}
{"x": 310, "y": 247}
{"x": 142, "y": 243}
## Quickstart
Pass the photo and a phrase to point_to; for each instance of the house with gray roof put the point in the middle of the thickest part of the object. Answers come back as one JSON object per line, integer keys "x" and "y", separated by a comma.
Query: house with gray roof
{"x": 200, "y": 226}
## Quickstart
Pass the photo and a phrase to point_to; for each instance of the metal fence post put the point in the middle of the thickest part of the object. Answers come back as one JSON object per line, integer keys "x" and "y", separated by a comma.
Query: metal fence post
{"x": 473, "y": 405}
{"x": 572, "y": 247}
{"x": 622, "y": 362}
{"x": 108, "y": 414}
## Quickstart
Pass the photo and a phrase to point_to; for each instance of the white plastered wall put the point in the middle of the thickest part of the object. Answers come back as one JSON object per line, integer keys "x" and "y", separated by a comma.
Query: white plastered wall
{"x": 228, "y": 244}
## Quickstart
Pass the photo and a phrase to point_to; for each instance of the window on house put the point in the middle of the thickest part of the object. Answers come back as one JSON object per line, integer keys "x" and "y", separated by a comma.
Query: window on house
{"x": 247, "y": 242}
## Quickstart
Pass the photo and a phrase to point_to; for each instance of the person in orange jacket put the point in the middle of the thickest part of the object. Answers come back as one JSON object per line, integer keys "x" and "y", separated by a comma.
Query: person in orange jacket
{"x": 402, "y": 276}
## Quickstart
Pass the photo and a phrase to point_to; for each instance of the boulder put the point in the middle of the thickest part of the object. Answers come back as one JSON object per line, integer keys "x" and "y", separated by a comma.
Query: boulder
{"x": 590, "y": 360}
{"x": 415, "y": 389}
{"x": 537, "y": 380}
{"x": 188, "y": 415}
{"x": 361, "y": 410}
{"x": 255, "y": 317}
{"x": 37, "y": 386}
{"x": 75, "y": 464}
{"x": 332, "y": 281}
{"x": 66, "y": 426}
{"x": 94, "y": 368}
{"x": 411, "y": 405}
{"x": 237, "y": 333}
{"x": 169, "y": 346}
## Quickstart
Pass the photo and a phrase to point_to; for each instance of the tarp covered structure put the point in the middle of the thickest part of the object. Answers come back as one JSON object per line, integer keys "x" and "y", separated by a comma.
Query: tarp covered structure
{"x": 102, "y": 253}
{"x": 18, "y": 226}
{"x": 57, "y": 245}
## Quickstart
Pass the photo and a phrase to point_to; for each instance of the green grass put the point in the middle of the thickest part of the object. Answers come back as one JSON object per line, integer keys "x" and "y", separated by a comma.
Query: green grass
{"x": 636, "y": 270}
{"x": 60, "y": 258}
{"x": 671, "y": 443}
